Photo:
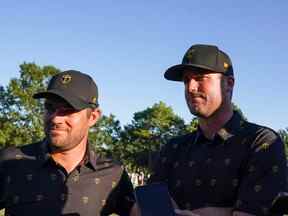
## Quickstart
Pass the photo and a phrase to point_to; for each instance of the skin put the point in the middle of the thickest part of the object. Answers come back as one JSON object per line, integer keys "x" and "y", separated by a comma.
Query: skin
{"x": 67, "y": 130}
{"x": 208, "y": 96}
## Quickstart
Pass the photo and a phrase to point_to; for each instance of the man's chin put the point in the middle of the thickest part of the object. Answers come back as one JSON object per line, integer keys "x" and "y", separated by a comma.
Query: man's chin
{"x": 55, "y": 142}
{"x": 198, "y": 114}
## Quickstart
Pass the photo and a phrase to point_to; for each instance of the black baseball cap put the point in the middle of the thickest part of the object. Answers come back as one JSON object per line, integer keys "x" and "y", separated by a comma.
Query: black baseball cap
{"x": 201, "y": 57}
{"x": 76, "y": 88}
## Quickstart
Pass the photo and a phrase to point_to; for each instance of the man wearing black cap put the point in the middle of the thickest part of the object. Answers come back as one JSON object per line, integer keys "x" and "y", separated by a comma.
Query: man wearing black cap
{"x": 228, "y": 166}
{"x": 62, "y": 175}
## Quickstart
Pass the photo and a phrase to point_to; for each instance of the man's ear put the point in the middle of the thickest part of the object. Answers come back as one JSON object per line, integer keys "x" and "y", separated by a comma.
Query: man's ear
{"x": 94, "y": 116}
{"x": 230, "y": 83}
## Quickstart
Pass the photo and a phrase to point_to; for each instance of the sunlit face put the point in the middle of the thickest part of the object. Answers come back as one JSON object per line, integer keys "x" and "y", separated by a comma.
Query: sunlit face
{"x": 64, "y": 126}
{"x": 205, "y": 92}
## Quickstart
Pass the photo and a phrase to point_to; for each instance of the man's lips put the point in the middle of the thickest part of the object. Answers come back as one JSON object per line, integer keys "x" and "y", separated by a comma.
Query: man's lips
{"x": 56, "y": 130}
{"x": 196, "y": 99}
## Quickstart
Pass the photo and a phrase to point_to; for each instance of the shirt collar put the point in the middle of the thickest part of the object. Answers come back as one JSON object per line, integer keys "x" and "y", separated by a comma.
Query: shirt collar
{"x": 44, "y": 155}
{"x": 231, "y": 127}
{"x": 228, "y": 130}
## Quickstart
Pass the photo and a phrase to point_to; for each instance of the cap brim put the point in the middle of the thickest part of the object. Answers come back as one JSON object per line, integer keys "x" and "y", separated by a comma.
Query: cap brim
{"x": 76, "y": 103}
{"x": 175, "y": 73}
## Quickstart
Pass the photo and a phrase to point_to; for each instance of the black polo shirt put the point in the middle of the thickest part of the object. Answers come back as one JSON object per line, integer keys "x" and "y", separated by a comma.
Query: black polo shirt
{"x": 31, "y": 183}
{"x": 243, "y": 167}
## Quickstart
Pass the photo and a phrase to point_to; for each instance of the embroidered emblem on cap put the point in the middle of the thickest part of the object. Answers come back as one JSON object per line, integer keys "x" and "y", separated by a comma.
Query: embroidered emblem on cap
{"x": 226, "y": 65}
{"x": 66, "y": 78}
{"x": 94, "y": 100}
{"x": 189, "y": 55}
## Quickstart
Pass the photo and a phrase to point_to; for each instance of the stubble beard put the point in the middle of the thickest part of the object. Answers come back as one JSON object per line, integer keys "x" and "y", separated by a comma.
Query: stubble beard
{"x": 60, "y": 142}
{"x": 201, "y": 110}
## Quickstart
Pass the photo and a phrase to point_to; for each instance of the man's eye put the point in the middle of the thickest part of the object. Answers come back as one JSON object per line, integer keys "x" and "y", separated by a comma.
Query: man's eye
{"x": 60, "y": 110}
{"x": 199, "y": 78}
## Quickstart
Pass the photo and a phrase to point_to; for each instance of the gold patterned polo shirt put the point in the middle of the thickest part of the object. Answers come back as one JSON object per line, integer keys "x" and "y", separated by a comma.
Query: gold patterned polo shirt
{"x": 243, "y": 167}
{"x": 31, "y": 183}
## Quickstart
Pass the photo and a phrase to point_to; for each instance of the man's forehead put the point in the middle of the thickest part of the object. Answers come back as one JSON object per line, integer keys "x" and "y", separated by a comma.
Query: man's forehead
{"x": 198, "y": 72}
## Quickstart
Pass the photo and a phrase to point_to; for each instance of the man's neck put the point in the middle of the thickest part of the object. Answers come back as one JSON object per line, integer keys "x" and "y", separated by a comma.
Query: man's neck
{"x": 69, "y": 159}
{"x": 210, "y": 126}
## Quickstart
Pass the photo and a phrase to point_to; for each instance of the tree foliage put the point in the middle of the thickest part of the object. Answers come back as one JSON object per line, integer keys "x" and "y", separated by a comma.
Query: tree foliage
{"x": 284, "y": 136}
{"x": 104, "y": 136}
{"x": 20, "y": 114}
{"x": 148, "y": 130}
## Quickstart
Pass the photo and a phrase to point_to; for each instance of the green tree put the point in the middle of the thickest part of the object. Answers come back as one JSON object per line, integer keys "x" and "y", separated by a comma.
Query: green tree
{"x": 148, "y": 130}
{"x": 20, "y": 114}
{"x": 105, "y": 136}
{"x": 237, "y": 109}
{"x": 284, "y": 135}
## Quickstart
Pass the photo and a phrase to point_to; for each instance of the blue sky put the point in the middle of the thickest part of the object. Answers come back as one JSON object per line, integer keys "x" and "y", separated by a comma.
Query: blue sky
{"x": 127, "y": 45}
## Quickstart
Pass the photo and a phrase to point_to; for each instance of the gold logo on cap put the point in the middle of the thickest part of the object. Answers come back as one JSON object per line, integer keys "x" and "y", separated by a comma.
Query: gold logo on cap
{"x": 190, "y": 54}
{"x": 94, "y": 100}
{"x": 66, "y": 78}
{"x": 226, "y": 65}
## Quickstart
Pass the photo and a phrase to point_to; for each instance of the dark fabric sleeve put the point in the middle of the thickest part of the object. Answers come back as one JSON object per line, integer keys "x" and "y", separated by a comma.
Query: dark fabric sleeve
{"x": 121, "y": 199}
{"x": 2, "y": 181}
{"x": 264, "y": 175}
{"x": 2, "y": 201}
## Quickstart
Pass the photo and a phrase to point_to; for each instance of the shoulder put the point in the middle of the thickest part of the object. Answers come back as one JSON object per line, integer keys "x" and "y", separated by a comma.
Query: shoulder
{"x": 182, "y": 140}
{"x": 12, "y": 153}
{"x": 259, "y": 134}
{"x": 107, "y": 164}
